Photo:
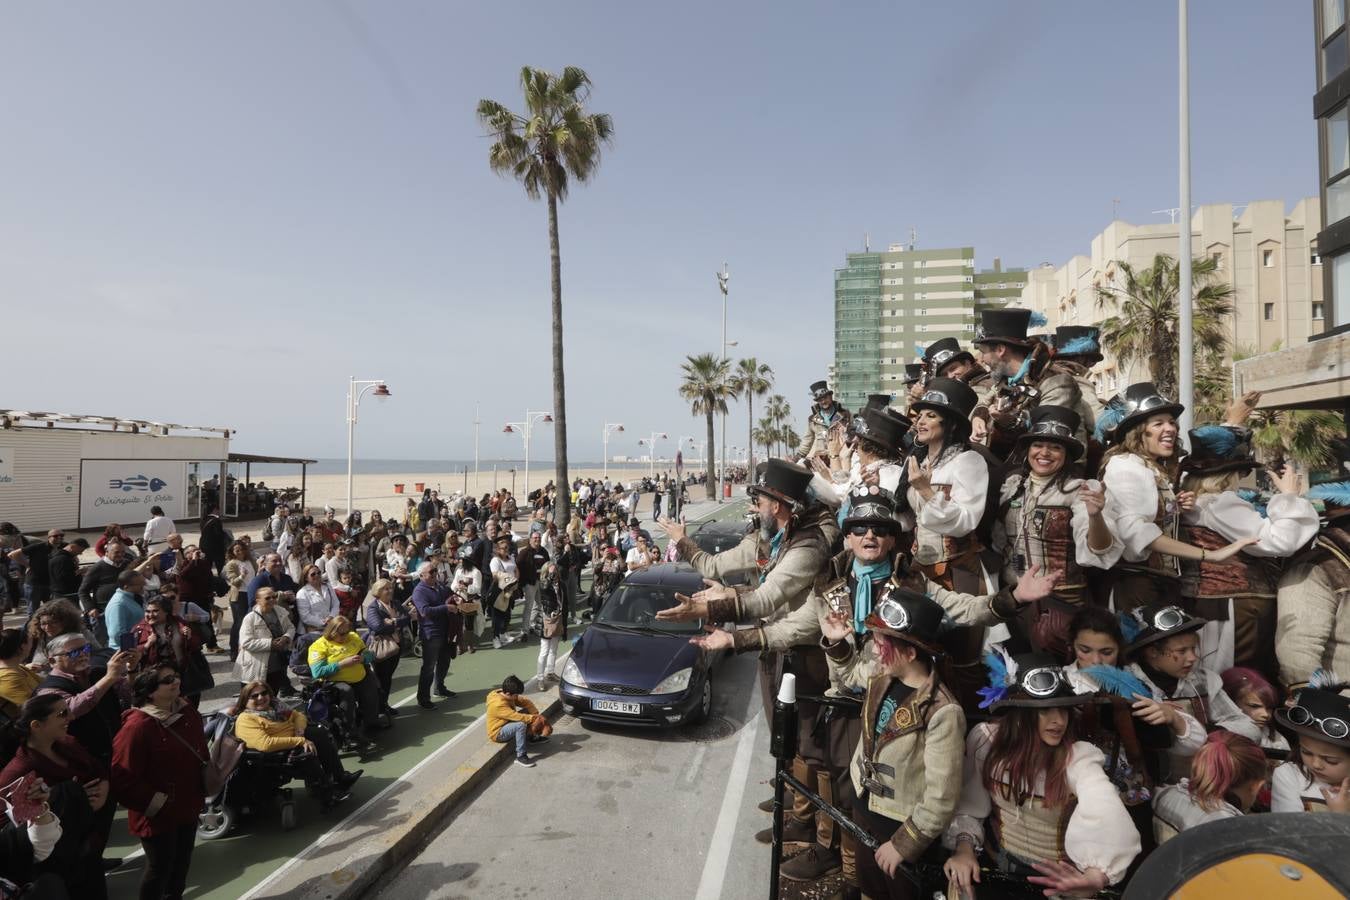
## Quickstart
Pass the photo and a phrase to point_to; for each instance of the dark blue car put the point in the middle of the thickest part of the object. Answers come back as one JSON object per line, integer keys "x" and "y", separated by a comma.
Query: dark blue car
{"x": 632, "y": 669}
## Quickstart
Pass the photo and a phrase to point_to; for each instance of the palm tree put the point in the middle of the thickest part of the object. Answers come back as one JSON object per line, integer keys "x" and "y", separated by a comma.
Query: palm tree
{"x": 1303, "y": 436}
{"x": 778, "y": 410}
{"x": 751, "y": 379}
{"x": 707, "y": 387}
{"x": 764, "y": 435}
{"x": 1144, "y": 326}
{"x": 554, "y": 142}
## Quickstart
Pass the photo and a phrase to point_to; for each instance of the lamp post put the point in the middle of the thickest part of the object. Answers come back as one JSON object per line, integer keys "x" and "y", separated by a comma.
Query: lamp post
{"x": 355, "y": 391}
{"x": 697, "y": 446}
{"x": 651, "y": 445}
{"x": 723, "y": 277}
{"x": 523, "y": 429}
{"x": 604, "y": 437}
{"x": 1185, "y": 326}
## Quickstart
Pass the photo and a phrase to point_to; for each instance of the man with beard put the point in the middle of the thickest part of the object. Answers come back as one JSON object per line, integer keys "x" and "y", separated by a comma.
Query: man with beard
{"x": 852, "y": 584}
{"x": 825, "y": 415}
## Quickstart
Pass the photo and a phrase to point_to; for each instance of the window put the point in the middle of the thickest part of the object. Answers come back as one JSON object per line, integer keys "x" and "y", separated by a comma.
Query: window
{"x": 1268, "y": 259}
{"x": 1218, "y": 259}
{"x": 1268, "y": 311}
{"x": 1315, "y": 259}
{"x": 1340, "y": 290}
{"x": 1317, "y": 310}
{"x": 1333, "y": 16}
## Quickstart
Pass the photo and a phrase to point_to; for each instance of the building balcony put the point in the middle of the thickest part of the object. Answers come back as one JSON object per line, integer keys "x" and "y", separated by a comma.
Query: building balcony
{"x": 1315, "y": 375}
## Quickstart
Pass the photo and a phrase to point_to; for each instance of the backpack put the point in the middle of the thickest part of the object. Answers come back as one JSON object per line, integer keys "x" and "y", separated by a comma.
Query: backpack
{"x": 267, "y": 534}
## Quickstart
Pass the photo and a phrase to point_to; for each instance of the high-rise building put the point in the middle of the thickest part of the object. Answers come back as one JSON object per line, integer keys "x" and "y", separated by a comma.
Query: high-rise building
{"x": 889, "y": 306}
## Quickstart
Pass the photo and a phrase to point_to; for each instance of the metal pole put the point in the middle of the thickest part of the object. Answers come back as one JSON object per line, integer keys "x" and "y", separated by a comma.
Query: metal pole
{"x": 1186, "y": 362}
{"x": 475, "y": 449}
{"x": 722, "y": 474}
{"x": 605, "y": 462}
{"x": 351, "y": 436}
{"x": 528, "y": 423}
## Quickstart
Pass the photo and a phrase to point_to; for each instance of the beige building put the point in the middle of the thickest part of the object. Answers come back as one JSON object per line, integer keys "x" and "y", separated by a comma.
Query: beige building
{"x": 1267, "y": 255}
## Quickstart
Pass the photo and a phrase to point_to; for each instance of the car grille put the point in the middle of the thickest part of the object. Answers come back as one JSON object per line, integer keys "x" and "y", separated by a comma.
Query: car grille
{"x": 620, "y": 690}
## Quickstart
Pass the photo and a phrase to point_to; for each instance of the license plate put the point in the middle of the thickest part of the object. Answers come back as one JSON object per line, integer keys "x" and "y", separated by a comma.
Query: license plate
{"x": 617, "y": 706}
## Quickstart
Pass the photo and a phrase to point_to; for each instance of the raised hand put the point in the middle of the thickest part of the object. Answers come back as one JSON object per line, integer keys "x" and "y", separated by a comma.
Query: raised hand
{"x": 1033, "y": 586}
{"x": 715, "y": 639}
{"x": 686, "y": 610}
{"x": 836, "y": 627}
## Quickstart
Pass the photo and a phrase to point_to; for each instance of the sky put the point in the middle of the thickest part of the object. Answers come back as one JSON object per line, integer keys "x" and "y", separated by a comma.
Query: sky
{"x": 215, "y": 213}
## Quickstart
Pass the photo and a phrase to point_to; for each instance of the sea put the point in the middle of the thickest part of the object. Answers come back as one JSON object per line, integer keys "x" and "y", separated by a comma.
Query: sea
{"x": 437, "y": 466}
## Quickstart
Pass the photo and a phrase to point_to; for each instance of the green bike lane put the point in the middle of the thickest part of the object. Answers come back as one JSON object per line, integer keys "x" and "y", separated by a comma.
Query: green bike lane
{"x": 229, "y": 868}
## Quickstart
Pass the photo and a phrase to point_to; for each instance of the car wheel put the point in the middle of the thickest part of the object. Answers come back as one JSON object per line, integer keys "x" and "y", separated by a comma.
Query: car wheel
{"x": 700, "y": 714}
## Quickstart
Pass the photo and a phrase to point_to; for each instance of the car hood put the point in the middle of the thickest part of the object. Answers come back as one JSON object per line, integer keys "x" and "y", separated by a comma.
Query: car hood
{"x": 639, "y": 660}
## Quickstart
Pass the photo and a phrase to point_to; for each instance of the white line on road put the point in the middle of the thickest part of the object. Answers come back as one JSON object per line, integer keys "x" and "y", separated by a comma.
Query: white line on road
{"x": 719, "y": 851}
{"x": 691, "y": 771}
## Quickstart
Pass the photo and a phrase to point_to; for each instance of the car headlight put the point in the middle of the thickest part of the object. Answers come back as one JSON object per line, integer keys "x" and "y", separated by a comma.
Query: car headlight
{"x": 674, "y": 683}
{"x": 571, "y": 673}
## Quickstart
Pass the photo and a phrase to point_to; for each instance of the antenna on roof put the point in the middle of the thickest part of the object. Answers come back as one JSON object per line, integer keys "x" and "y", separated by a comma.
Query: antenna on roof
{"x": 867, "y": 245}
{"x": 913, "y": 237}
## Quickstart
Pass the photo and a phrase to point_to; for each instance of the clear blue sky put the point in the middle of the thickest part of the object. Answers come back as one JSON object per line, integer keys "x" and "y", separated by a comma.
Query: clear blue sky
{"x": 216, "y": 212}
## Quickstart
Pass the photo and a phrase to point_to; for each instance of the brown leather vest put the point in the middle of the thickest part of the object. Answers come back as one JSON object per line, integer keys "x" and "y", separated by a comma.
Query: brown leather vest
{"x": 1047, "y": 540}
{"x": 1237, "y": 576}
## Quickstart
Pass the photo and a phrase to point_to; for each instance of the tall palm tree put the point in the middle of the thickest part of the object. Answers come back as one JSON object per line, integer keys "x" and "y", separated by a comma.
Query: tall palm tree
{"x": 778, "y": 409}
{"x": 555, "y": 142}
{"x": 1303, "y": 436}
{"x": 764, "y": 435}
{"x": 707, "y": 387}
{"x": 750, "y": 380}
{"x": 1145, "y": 324}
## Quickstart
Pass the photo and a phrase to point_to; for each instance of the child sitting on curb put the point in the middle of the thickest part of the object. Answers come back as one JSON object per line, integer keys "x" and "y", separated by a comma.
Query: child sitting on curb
{"x": 510, "y": 716}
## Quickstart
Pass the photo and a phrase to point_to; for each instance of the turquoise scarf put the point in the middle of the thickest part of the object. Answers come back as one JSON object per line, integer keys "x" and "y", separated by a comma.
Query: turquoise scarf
{"x": 862, "y": 597}
{"x": 775, "y": 544}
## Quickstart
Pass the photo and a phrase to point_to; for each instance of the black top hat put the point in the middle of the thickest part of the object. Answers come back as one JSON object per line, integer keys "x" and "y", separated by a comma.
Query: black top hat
{"x": 1004, "y": 326}
{"x": 1079, "y": 340}
{"x": 1141, "y": 401}
{"x": 878, "y": 401}
{"x": 913, "y": 372}
{"x": 781, "y": 480}
{"x": 1149, "y": 624}
{"x": 1055, "y": 423}
{"x": 941, "y": 353}
{"x": 870, "y": 505}
{"x": 909, "y": 616}
{"x": 1319, "y": 713}
{"x": 1219, "y": 448}
{"x": 1030, "y": 679}
{"x": 955, "y": 400}
{"x": 882, "y": 427}
{"x": 820, "y": 389}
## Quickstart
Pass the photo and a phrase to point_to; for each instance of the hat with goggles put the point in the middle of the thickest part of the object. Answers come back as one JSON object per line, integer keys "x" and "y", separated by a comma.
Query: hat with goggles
{"x": 909, "y": 616}
{"x": 1319, "y": 711}
{"x": 1031, "y": 679}
{"x": 951, "y": 399}
{"x": 1146, "y": 625}
{"x": 943, "y": 352}
{"x": 1140, "y": 402}
{"x": 870, "y": 505}
{"x": 882, "y": 428}
{"x": 820, "y": 390}
{"x": 1057, "y": 424}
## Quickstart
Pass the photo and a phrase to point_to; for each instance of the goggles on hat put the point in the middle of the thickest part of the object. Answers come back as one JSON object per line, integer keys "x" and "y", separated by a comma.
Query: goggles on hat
{"x": 1332, "y": 727}
{"x": 1043, "y": 682}
{"x": 1152, "y": 401}
{"x": 1051, "y": 427}
{"x": 941, "y": 357}
{"x": 892, "y": 614}
{"x": 935, "y": 397}
{"x": 1165, "y": 619}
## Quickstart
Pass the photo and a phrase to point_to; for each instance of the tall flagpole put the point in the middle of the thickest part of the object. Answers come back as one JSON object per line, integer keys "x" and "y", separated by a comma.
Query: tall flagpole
{"x": 1185, "y": 295}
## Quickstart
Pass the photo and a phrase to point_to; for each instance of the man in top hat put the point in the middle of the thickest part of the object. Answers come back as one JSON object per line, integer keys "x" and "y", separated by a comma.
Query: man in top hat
{"x": 1077, "y": 349}
{"x": 1313, "y": 627}
{"x": 1024, "y": 375}
{"x": 874, "y": 460}
{"x": 825, "y": 414}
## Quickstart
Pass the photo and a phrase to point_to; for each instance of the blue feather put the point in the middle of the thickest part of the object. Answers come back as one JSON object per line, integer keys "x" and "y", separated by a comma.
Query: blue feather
{"x": 1257, "y": 500}
{"x": 998, "y": 671}
{"x": 1121, "y": 682}
{"x": 1324, "y": 680}
{"x": 1337, "y": 492}
{"x": 1085, "y": 344}
{"x": 1037, "y": 320}
{"x": 1108, "y": 420}
{"x": 991, "y": 695}
{"x": 1130, "y": 627}
{"x": 1218, "y": 440}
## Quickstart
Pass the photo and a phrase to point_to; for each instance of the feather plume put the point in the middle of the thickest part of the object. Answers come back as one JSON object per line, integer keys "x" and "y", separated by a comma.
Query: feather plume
{"x": 1219, "y": 441}
{"x": 1085, "y": 344}
{"x": 1108, "y": 420}
{"x": 1002, "y": 676}
{"x": 1326, "y": 680}
{"x": 1258, "y": 500}
{"x": 1337, "y": 493}
{"x": 1037, "y": 320}
{"x": 1130, "y": 627}
{"x": 1121, "y": 682}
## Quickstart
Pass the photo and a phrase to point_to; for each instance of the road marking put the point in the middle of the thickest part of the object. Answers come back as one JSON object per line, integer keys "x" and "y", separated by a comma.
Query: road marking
{"x": 719, "y": 851}
{"x": 323, "y": 839}
{"x": 695, "y": 765}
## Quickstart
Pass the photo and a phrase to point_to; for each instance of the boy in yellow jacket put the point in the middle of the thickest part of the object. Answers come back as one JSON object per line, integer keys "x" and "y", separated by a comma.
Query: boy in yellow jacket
{"x": 509, "y": 715}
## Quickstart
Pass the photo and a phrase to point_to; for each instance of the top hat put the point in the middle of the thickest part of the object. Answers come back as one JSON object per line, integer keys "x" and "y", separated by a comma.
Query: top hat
{"x": 941, "y": 353}
{"x": 1140, "y": 401}
{"x": 1219, "y": 448}
{"x": 1149, "y": 624}
{"x": 870, "y": 505}
{"x": 1054, "y": 423}
{"x": 1318, "y": 712}
{"x": 881, "y": 427}
{"x": 819, "y": 389}
{"x": 909, "y": 616}
{"x": 1034, "y": 680}
{"x": 1004, "y": 326}
{"x": 878, "y": 401}
{"x": 913, "y": 372}
{"x": 781, "y": 480}
{"x": 1079, "y": 340}
{"x": 953, "y": 399}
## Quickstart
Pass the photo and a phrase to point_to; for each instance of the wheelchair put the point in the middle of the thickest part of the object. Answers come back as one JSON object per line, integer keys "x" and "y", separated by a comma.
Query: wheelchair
{"x": 257, "y": 785}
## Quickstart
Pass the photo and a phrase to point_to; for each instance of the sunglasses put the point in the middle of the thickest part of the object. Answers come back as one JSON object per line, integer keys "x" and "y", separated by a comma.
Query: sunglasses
{"x": 1332, "y": 727}
{"x": 77, "y": 652}
{"x": 259, "y": 695}
{"x": 881, "y": 531}
{"x": 170, "y": 679}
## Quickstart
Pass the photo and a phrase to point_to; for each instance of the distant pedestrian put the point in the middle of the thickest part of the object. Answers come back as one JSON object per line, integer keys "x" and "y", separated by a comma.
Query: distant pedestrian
{"x": 158, "y": 529}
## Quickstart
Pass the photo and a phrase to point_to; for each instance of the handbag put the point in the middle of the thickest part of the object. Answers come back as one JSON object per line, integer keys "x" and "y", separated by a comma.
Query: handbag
{"x": 224, "y": 758}
{"x": 469, "y": 607}
{"x": 383, "y": 646}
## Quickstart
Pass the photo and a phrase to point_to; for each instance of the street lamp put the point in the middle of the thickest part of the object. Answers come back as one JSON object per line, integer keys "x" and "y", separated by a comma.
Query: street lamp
{"x": 697, "y": 446}
{"x": 723, "y": 277}
{"x": 355, "y": 391}
{"x": 651, "y": 445}
{"x": 523, "y": 429}
{"x": 604, "y": 437}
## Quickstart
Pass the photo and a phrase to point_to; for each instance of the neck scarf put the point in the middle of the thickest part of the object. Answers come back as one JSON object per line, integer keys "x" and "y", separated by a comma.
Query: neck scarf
{"x": 862, "y": 595}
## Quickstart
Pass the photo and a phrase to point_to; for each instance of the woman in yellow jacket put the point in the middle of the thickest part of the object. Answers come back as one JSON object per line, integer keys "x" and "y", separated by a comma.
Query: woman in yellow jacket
{"x": 340, "y": 657}
{"x": 268, "y": 727}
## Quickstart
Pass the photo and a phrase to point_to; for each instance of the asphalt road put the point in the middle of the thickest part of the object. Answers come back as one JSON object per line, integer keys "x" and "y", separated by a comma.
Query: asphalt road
{"x": 613, "y": 813}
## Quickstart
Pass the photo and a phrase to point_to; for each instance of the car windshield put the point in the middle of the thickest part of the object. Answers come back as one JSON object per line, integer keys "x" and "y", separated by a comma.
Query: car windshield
{"x": 636, "y": 605}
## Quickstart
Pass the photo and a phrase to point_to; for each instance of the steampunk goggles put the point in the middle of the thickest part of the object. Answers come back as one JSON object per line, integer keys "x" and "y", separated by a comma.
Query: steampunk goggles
{"x": 1333, "y": 727}
{"x": 892, "y": 614}
{"x": 1042, "y": 682}
{"x": 935, "y": 397}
